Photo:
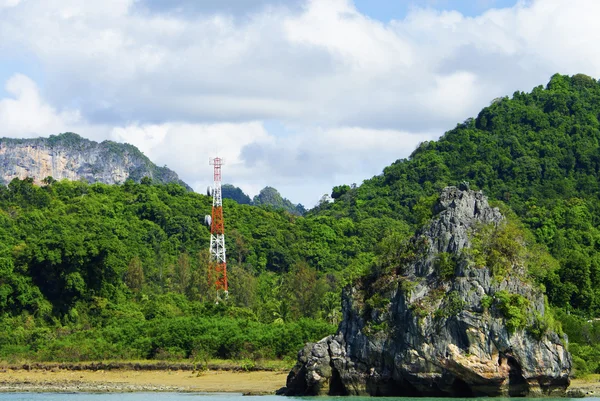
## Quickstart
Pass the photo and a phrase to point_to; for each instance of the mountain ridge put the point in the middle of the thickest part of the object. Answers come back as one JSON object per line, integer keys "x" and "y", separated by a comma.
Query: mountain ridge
{"x": 70, "y": 156}
{"x": 268, "y": 196}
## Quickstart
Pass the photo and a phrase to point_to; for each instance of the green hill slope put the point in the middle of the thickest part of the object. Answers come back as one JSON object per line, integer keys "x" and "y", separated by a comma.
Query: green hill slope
{"x": 537, "y": 152}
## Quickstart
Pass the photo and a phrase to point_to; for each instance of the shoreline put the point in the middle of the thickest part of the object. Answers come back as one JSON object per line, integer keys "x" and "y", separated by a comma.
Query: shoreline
{"x": 100, "y": 377}
{"x": 129, "y": 380}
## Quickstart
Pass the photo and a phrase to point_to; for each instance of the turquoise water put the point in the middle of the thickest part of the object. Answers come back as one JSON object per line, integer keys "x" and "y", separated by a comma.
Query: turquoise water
{"x": 220, "y": 397}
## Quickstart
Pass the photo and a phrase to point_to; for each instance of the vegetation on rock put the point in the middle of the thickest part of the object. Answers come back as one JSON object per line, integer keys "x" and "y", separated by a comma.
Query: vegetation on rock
{"x": 269, "y": 196}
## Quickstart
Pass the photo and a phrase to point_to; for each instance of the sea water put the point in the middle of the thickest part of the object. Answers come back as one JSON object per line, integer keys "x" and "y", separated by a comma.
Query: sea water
{"x": 221, "y": 397}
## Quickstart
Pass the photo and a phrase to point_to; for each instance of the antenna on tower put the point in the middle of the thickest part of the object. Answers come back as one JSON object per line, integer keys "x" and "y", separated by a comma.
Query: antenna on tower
{"x": 217, "y": 271}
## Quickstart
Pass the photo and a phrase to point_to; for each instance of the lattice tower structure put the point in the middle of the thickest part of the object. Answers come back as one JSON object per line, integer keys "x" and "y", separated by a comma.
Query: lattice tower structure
{"x": 218, "y": 260}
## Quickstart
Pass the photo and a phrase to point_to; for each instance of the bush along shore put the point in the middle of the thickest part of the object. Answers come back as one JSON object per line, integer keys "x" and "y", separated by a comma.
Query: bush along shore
{"x": 219, "y": 365}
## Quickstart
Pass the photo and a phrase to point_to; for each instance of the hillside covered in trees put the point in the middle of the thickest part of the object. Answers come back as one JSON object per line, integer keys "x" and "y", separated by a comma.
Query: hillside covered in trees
{"x": 99, "y": 271}
{"x": 538, "y": 153}
{"x": 125, "y": 268}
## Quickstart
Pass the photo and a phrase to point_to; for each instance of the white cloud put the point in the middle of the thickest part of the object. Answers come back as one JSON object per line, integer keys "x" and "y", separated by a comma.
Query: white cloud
{"x": 186, "y": 147}
{"x": 325, "y": 63}
{"x": 358, "y": 43}
{"x": 9, "y": 3}
{"x": 358, "y": 93}
{"x": 26, "y": 114}
{"x": 302, "y": 166}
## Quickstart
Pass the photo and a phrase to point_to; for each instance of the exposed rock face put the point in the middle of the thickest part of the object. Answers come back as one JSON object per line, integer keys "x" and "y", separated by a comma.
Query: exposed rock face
{"x": 73, "y": 157}
{"x": 432, "y": 335}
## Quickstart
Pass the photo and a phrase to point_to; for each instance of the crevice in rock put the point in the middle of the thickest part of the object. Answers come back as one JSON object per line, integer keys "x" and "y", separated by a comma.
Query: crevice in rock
{"x": 336, "y": 386}
{"x": 296, "y": 384}
{"x": 459, "y": 333}
{"x": 461, "y": 389}
{"x": 393, "y": 388}
{"x": 517, "y": 385}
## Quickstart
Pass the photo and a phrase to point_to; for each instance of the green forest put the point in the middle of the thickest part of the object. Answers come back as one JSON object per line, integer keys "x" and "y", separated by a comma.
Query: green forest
{"x": 92, "y": 272}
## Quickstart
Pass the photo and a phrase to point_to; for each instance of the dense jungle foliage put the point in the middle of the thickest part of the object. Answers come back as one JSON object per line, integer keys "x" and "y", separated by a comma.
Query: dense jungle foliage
{"x": 97, "y": 271}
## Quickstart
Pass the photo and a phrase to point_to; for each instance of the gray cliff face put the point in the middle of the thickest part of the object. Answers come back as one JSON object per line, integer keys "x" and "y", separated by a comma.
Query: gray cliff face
{"x": 431, "y": 335}
{"x": 73, "y": 157}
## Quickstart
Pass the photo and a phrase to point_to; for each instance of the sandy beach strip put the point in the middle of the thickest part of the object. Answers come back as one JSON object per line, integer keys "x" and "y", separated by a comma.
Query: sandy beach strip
{"x": 58, "y": 380}
{"x": 217, "y": 381}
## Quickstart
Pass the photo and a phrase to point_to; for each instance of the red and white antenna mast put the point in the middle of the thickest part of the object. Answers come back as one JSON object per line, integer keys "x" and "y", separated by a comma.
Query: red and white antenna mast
{"x": 218, "y": 263}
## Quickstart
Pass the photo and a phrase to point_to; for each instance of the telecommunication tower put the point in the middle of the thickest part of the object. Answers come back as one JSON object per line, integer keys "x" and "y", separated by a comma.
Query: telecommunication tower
{"x": 218, "y": 263}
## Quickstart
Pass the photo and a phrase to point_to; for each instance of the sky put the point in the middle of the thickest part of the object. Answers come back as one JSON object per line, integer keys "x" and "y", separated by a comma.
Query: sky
{"x": 301, "y": 95}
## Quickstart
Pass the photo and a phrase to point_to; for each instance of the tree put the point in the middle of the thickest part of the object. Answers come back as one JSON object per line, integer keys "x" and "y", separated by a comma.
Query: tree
{"x": 239, "y": 250}
{"x": 200, "y": 289}
{"x": 48, "y": 180}
{"x": 134, "y": 277}
{"x": 339, "y": 191}
{"x": 242, "y": 286}
{"x": 181, "y": 274}
{"x": 302, "y": 291}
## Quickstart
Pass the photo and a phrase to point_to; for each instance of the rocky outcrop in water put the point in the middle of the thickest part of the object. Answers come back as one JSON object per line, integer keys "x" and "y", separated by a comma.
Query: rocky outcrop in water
{"x": 72, "y": 157}
{"x": 438, "y": 323}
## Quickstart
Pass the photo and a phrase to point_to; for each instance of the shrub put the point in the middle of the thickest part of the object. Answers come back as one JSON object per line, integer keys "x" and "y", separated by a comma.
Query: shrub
{"x": 486, "y": 302}
{"x": 452, "y": 305}
{"x": 514, "y": 309}
{"x": 445, "y": 265}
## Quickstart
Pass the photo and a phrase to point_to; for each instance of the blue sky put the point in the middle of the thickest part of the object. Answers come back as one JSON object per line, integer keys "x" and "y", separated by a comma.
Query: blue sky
{"x": 301, "y": 95}
{"x": 386, "y": 10}
{"x": 13, "y": 61}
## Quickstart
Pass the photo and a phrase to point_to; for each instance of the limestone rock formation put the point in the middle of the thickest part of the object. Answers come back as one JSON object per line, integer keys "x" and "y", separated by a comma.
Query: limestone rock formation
{"x": 437, "y": 325}
{"x": 72, "y": 157}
